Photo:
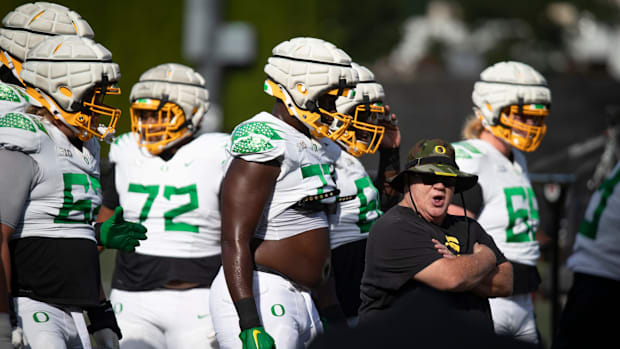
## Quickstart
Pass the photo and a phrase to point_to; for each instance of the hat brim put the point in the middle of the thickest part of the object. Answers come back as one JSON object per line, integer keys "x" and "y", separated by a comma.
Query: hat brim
{"x": 464, "y": 180}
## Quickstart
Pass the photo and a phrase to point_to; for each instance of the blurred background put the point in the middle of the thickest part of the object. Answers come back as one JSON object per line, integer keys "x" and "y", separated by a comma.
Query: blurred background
{"x": 427, "y": 55}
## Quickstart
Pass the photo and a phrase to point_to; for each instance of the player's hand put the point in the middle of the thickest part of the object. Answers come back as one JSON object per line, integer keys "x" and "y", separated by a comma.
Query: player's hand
{"x": 105, "y": 338}
{"x": 443, "y": 249}
{"x": 256, "y": 338}
{"x": 16, "y": 334}
{"x": 119, "y": 234}
{"x": 391, "y": 137}
{"x": 18, "y": 338}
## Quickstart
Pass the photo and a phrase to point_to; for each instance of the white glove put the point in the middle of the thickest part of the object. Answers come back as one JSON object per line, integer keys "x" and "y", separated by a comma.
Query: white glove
{"x": 18, "y": 338}
{"x": 105, "y": 338}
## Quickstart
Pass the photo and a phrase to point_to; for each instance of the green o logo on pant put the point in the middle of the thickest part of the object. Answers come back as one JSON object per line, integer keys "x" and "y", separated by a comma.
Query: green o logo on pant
{"x": 40, "y": 317}
{"x": 277, "y": 310}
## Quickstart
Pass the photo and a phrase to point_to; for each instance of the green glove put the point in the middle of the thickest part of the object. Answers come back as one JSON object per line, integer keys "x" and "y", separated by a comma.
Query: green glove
{"x": 118, "y": 234}
{"x": 256, "y": 338}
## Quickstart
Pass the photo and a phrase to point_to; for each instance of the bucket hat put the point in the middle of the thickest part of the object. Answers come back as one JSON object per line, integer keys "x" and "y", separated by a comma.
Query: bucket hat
{"x": 434, "y": 157}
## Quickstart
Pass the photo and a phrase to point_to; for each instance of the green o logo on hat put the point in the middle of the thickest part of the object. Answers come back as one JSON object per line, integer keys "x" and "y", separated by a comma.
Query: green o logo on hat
{"x": 440, "y": 149}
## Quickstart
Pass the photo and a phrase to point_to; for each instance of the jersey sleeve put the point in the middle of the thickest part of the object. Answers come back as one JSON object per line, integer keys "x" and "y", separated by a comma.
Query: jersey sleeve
{"x": 21, "y": 132}
{"x": 16, "y": 187}
{"x": 258, "y": 141}
{"x": 12, "y": 99}
{"x": 468, "y": 157}
{"x": 116, "y": 148}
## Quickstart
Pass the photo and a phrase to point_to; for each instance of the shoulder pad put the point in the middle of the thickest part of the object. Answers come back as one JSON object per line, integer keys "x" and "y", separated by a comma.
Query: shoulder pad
{"x": 465, "y": 150}
{"x": 254, "y": 137}
{"x": 22, "y": 132}
{"x": 12, "y": 99}
{"x": 120, "y": 145}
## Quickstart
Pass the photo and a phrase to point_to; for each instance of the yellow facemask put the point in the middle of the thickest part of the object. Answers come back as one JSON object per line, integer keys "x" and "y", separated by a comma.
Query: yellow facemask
{"x": 312, "y": 118}
{"x": 87, "y": 120}
{"x": 168, "y": 124}
{"x": 522, "y": 135}
{"x": 363, "y": 137}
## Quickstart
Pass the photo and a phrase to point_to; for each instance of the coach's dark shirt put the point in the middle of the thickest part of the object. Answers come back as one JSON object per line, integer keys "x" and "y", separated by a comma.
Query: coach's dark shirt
{"x": 399, "y": 246}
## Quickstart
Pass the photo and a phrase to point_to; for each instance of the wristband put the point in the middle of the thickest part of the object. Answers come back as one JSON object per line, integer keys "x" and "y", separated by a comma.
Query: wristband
{"x": 97, "y": 228}
{"x": 12, "y": 314}
{"x": 248, "y": 315}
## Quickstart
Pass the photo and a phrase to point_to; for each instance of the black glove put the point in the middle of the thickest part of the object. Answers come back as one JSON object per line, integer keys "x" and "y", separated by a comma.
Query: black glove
{"x": 102, "y": 316}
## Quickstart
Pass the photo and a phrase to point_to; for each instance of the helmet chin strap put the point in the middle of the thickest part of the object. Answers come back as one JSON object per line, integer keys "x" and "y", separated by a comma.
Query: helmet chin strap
{"x": 288, "y": 101}
{"x": 57, "y": 113}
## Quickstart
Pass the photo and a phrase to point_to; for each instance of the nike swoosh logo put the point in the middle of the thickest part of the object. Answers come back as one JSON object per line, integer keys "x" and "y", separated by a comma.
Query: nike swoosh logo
{"x": 202, "y": 316}
{"x": 255, "y": 334}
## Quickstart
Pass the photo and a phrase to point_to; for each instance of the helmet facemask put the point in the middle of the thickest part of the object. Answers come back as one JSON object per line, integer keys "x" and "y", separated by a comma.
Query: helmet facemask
{"x": 363, "y": 136}
{"x": 91, "y": 117}
{"x": 522, "y": 126}
{"x": 157, "y": 123}
{"x": 320, "y": 116}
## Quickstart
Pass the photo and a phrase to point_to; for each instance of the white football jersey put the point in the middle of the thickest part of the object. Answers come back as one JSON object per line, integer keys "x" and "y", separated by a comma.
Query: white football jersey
{"x": 176, "y": 200}
{"x": 12, "y": 99}
{"x": 597, "y": 247}
{"x": 358, "y": 203}
{"x": 66, "y": 195}
{"x": 510, "y": 210}
{"x": 305, "y": 169}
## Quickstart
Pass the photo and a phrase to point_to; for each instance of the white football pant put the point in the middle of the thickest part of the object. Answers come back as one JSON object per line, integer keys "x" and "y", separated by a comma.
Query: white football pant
{"x": 514, "y": 316}
{"x": 286, "y": 311}
{"x": 51, "y": 327}
{"x": 164, "y": 318}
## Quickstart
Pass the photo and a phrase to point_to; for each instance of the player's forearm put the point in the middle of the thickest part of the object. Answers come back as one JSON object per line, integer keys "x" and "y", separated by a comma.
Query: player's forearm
{"x": 5, "y": 254}
{"x": 498, "y": 283}
{"x": 470, "y": 271}
{"x": 238, "y": 265}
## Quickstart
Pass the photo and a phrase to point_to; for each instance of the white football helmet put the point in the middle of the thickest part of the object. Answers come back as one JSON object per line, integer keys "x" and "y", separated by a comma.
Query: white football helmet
{"x": 301, "y": 71}
{"x": 31, "y": 23}
{"x": 70, "y": 76}
{"x": 512, "y": 100}
{"x": 365, "y": 106}
{"x": 176, "y": 99}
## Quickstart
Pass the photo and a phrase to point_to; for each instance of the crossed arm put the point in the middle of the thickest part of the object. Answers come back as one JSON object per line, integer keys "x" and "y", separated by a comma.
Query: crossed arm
{"x": 475, "y": 272}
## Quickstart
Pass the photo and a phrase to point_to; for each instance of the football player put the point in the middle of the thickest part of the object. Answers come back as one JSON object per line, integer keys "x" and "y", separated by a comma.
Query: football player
{"x": 275, "y": 239}
{"x": 50, "y": 170}
{"x": 167, "y": 177}
{"x": 359, "y": 202}
{"x": 595, "y": 262}
{"x": 23, "y": 28}
{"x": 511, "y": 103}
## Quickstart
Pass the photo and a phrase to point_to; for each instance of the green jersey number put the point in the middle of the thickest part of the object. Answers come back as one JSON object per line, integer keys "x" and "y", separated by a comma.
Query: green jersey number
{"x": 521, "y": 215}
{"x": 84, "y": 183}
{"x": 588, "y": 228}
{"x": 151, "y": 192}
{"x": 367, "y": 207}
{"x": 320, "y": 170}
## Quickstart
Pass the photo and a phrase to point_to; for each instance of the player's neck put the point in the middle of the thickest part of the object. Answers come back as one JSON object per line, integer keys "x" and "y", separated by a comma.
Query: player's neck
{"x": 68, "y": 132}
{"x": 497, "y": 143}
{"x": 280, "y": 111}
